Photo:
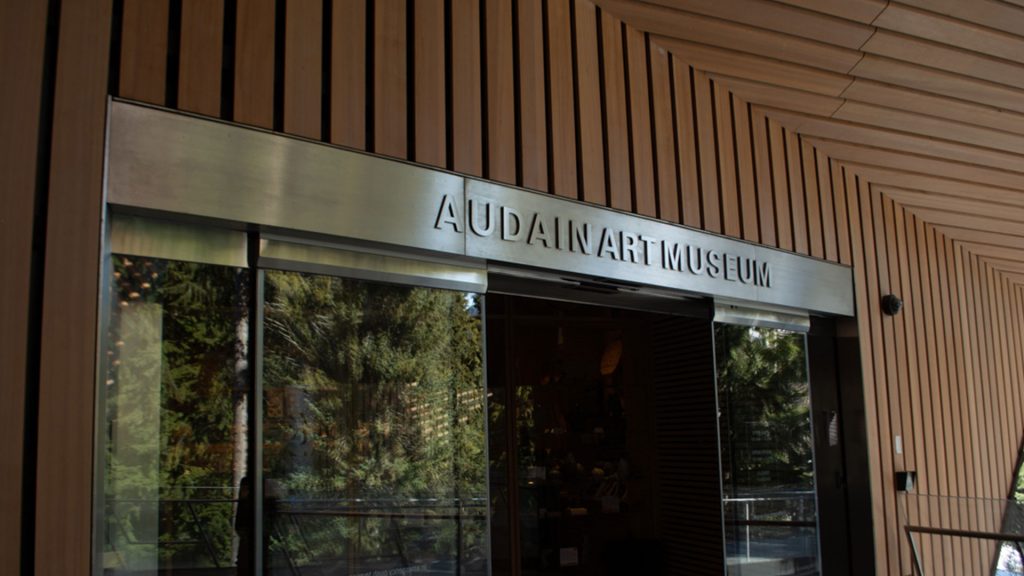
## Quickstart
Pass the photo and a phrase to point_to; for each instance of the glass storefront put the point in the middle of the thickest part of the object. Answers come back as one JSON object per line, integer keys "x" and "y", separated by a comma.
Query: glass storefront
{"x": 285, "y": 422}
{"x": 308, "y": 424}
{"x": 176, "y": 428}
{"x": 768, "y": 490}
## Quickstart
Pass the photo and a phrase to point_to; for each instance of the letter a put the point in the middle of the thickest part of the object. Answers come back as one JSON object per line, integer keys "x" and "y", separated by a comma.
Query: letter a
{"x": 448, "y": 214}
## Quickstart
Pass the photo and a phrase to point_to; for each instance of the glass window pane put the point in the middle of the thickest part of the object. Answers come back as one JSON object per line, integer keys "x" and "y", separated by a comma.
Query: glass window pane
{"x": 374, "y": 432}
{"x": 175, "y": 384}
{"x": 767, "y": 452}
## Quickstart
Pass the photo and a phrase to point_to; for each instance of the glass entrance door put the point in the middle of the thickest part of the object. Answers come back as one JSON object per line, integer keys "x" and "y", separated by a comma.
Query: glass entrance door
{"x": 278, "y": 422}
{"x": 768, "y": 487}
{"x": 373, "y": 429}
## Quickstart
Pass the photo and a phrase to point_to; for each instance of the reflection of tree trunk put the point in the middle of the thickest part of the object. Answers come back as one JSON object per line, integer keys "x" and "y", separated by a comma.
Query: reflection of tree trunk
{"x": 240, "y": 425}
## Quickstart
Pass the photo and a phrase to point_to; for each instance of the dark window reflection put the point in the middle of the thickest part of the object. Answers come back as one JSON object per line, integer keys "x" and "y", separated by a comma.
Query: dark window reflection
{"x": 175, "y": 385}
{"x": 766, "y": 444}
{"x": 374, "y": 433}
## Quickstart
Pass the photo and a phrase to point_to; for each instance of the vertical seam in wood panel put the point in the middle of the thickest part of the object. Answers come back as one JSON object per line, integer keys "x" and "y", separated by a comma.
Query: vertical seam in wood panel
{"x": 326, "y": 62}
{"x": 696, "y": 143}
{"x": 675, "y": 134}
{"x": 173, "y": 54}
{"x": 627, "y": 82}
{"x": 821, "y": 206}
{"x": 574, "y": 57}
{"x": 720, "y": 192}
{"x": 485, "y": 96}
{"x": 654, "y": 127}
{"x": 736, "y": 163}
{"x": 371, "y": 73}
{"x": 280, "y": 14}
{"x": 517, "y": 98}
{"x": 449, "y": 86}
{"x": 545, "y": 28}
{"x": 37, "y": 277}
{"x": 116, "y": 33}
{"x": 604, "y": 106}
{"x": 410, "y": 85}
{"x": 812, "y": 196}
{"x": 753, "y": 167}
{"x": 227, "y": 77}
{"x": 771, "y": 178}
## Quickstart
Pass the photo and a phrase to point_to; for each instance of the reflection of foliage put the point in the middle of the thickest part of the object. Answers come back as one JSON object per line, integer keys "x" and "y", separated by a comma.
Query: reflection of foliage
{"x": 374, "y": 395}
{"x": 179, "y": 321}
{"x": 763, "y": 392}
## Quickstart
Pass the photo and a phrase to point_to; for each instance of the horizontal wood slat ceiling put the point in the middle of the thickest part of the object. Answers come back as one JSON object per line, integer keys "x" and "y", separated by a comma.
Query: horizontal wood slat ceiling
{"x": 930, "y": 91}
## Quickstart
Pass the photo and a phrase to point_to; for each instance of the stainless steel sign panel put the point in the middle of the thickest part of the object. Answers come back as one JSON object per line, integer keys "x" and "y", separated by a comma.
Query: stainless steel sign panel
{"x": 511, "y": 225}
{"x": 177, "y": 163}
{"x": 181, "y": 164}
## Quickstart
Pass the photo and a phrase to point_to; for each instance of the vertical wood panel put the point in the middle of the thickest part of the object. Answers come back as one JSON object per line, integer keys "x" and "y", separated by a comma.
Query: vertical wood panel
{"x": 144, "y": 50}
{"x": 563, "y": 100}
{"x": 1016, "y": 376}
{"x": 202, "y": 40}
{"x": 745, "y": 167}
{"x": 905, "y": 377}
{"x": 501, "y": 135}
{"x": 303, "y": 72}
{"x": 952, "y": 368}
{"x": 431, "y": 140}
{"x": 617, "y": 137}
{"x": 254, "y": 63}
{"x": 813, "y": 196}
{"x": 843, "y": 222}
{"x": 797, "y": 198}
{"x": 1003, "y": 473}
{"x": 467, "y": 106}
{"x": 919, "y": 302}
{"x": 906, "y": 370}
{"x": 22, "y": 45}
{"x": 710, "y": 194}
{"x": 882, "y": 340}
{"x": 390, "y": 77}
{"x": 860, "y": 257}
{"x": 348, "y": 73}
{"x": 588, "y": 79}
{"x": 763, "y": 170}
{"x": 533, "y": 140}
{"x": 780, "y": 185}
{"x": 64, "y": 489}
{"x": 664, "y": 134}
{"x": 687, "y": 134}
{"x": 640, "y": 124}
{"x": 828, "y": 206}
{"x": 950, "y": 376}
{"x": 961, "y": 322}
{"x": 726, "y": 161}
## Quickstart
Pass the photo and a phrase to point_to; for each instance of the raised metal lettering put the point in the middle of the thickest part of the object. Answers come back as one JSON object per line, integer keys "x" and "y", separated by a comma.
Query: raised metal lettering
{"x": 488, "y": 228}
{"x": 448, "y": 214}
{"x": 510, "y": 218}
{"x": 609, "y": 246}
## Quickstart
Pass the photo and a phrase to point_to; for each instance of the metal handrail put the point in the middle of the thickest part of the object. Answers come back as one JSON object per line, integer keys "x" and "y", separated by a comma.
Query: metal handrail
{"x": 1002, "y": 512}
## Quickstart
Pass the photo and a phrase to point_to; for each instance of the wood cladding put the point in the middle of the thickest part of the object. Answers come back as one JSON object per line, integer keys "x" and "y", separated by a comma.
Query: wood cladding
{"x": 566, "y": 97}
{"x": 22, "y": 30}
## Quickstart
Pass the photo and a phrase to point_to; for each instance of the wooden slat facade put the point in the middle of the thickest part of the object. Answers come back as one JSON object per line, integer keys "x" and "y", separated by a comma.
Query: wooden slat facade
{"x": 600, "y": 103}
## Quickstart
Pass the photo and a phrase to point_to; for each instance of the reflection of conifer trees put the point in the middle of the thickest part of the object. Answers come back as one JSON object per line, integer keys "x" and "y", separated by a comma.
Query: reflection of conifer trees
{"x": 764, "y": 397}
{"x": 374, "y": 394}
{"x": 196, "y": 310}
